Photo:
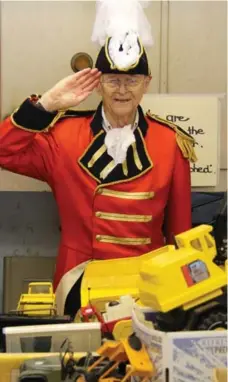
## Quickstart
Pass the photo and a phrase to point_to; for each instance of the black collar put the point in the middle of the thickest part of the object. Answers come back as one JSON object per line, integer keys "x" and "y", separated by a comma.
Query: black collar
{"x": 95, "y": 160}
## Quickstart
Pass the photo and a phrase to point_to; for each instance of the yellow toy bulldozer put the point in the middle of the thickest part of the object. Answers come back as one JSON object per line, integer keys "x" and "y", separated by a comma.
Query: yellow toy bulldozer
{"x": 181, "y": 283}
{"x": 39, "y": 301}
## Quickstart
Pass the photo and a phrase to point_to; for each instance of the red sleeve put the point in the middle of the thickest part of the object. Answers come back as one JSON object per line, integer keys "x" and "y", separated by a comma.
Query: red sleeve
{"x": 26, "y": 147}
{"x": 178, "y": 213}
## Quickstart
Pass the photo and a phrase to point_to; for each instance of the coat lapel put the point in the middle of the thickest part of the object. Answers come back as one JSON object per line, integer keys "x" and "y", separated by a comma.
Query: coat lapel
{"x": 96, "y": 161}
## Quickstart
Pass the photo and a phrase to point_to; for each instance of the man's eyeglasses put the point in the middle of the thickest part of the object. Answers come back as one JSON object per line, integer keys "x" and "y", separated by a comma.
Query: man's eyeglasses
{"x": 115, "y": 83}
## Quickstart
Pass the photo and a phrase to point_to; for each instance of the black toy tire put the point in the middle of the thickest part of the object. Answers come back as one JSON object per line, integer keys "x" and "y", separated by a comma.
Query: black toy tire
{"x": 81, "y": 361}
{"x": 215, "y": 320}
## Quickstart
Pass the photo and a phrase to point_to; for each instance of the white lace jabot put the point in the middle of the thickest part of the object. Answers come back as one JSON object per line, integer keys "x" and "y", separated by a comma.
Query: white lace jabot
{"x": 118, "y": 140}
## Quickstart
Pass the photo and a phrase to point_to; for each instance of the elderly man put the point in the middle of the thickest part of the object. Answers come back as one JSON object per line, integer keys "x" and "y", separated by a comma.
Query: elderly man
{"x": 121, "y": 179}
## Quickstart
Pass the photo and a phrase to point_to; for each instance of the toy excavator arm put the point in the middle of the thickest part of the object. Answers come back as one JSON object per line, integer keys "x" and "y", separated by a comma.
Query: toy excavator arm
{"x": 130, "y": 351}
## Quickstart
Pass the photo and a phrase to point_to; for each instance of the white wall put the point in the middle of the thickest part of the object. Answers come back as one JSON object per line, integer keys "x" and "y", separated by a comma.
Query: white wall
{"x": 39, "y": 38}
{"x": 197, "y": 52}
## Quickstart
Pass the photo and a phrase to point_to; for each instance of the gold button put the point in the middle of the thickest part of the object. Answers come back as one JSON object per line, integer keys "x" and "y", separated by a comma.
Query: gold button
{"x": 151, "y": 194}
{"x": 99, "y": 191}
{"x": 98, "y": 214}
{"x": 98, "y": 237}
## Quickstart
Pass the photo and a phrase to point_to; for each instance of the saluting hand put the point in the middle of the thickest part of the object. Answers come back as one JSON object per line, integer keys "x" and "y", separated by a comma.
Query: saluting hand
{"x": 71, "y": 91}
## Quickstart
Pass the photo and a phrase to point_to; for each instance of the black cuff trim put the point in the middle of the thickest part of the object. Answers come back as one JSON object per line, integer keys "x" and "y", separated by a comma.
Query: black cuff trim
{"x": 29, "y": 116}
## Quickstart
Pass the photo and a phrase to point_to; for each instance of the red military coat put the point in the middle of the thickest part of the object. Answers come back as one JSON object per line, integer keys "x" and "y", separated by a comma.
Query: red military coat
{"x": 127, "y": 213}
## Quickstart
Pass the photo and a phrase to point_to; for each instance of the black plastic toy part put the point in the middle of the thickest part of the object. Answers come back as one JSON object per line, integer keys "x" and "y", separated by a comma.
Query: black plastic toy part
{"x": 134, "y": 342}
{"x": 220, "y": 233}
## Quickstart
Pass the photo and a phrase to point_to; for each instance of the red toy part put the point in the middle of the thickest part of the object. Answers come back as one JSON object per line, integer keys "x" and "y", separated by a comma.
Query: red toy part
{"x": 89, "y": 311}
{"x": 108, "y": 327}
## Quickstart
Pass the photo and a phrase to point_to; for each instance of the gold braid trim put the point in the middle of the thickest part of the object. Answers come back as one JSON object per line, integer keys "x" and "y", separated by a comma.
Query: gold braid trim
{"x": 184, "y": 140}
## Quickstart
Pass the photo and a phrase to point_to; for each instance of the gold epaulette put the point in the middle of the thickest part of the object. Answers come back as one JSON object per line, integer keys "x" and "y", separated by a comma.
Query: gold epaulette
{"x": 184, "y": 140}
{"x": 70, "y": 113}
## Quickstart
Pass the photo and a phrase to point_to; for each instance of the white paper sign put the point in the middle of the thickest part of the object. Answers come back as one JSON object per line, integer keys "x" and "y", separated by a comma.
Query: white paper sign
{"x": 200, "y": 117}
{"x": 187, "y": 356}
{"x": 195, "y": 355}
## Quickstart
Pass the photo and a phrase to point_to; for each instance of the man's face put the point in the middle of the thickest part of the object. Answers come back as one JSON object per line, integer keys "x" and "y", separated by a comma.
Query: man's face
{"x": 122, "y": 93}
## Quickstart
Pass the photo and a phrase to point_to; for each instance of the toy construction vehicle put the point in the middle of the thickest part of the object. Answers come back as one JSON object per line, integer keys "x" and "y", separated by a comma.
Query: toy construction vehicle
{"x": 115, "y": 320}
{"x": 182, "y": 283}
{"x": 108, "y": 291}
{"x": 105, "y": 281}
{"x": 37, "y": 307}
{"x": 39, "y": 301}
{"x": 115, "y": 362}
{"x": 185, "y": 285}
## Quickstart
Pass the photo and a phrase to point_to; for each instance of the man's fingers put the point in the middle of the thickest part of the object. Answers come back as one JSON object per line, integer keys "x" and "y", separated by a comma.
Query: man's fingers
{"x": 85, "y": 76}
{"x": 83, "y": 96}
{"x": 82, "y": 91}
{"x": 85, "y": 73}
{"x": 75, "y": 78}
{"x": 90, "y": 80}
{"x": 91, "y": 86}
{"x": 81, "y": 73}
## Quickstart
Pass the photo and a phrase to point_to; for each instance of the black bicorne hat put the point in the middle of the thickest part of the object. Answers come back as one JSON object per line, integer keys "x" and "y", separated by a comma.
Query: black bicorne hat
{"x": 122, "y": 30}
{"x": 106, "y": 65}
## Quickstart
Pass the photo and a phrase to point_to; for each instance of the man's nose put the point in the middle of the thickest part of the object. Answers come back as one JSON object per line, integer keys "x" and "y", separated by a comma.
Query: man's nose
{"x": 122, "y": 87}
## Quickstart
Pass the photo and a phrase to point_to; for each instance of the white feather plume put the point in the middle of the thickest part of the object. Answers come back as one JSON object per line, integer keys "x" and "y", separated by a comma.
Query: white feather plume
{"x": 116, "y": 18}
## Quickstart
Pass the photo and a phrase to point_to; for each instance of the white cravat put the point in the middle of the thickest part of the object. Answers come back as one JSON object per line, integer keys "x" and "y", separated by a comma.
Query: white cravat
{"x": 118, "y": 140}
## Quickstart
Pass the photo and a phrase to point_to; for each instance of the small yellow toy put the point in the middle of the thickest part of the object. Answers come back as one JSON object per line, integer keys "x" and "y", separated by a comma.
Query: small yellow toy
{"x": 39, "y": 301}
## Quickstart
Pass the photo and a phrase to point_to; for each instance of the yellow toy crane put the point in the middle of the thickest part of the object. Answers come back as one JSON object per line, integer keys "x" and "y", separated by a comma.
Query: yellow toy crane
{"x": 39, "y": 301}
{"x": 129, "y": 352}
